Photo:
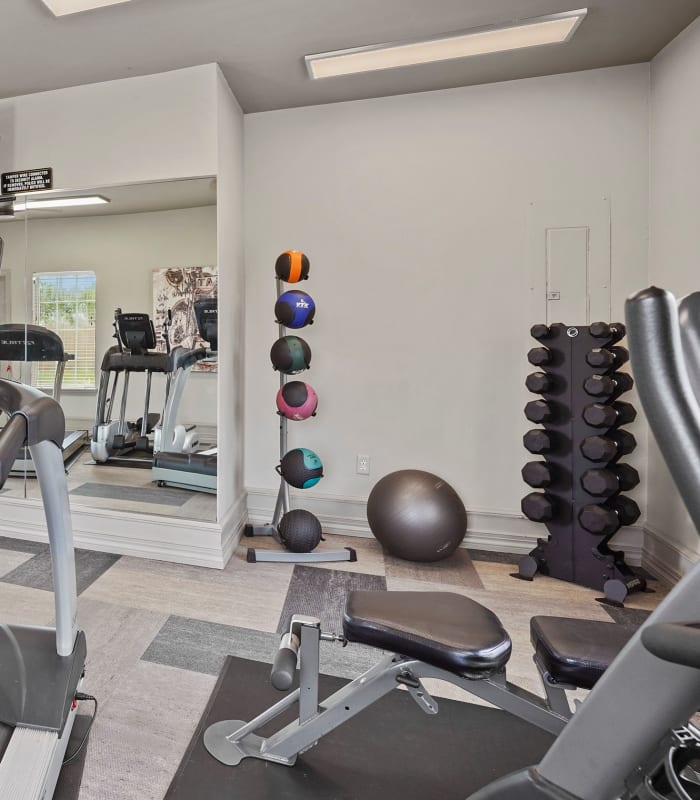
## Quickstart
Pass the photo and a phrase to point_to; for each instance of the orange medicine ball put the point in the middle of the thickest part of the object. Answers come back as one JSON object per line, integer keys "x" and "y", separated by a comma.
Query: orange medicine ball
{"x": 292, "y": 266}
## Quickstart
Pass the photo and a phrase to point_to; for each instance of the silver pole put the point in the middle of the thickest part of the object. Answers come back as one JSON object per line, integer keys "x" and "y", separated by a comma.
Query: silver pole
{"x": 122, "y": 410}
{"x": 144, "y": 419}
{"x": 48, "y": 461}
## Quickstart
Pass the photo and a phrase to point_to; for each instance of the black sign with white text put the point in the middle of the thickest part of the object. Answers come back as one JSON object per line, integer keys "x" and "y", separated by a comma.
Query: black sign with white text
{"x": 27, "y": 180}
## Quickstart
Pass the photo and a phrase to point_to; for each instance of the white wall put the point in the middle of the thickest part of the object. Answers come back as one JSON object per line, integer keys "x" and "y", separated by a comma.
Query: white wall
{"x": 419, "y": 215}
{"x": 674, "y": 251}
{"x": 123, "y": 250}
{"x": 140, "y": 129}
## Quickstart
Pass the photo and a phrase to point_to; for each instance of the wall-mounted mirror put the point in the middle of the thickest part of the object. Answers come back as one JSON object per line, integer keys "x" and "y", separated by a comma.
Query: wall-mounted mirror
{"x": 118, "y": 289}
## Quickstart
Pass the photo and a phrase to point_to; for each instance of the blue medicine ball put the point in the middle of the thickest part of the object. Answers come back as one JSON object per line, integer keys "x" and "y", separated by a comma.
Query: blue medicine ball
{"x": 295, "y": 309}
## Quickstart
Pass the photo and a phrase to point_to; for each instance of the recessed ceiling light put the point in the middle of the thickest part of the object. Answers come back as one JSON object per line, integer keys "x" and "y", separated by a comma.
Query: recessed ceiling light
{"x": 60, "y": 8}
{"x": 26, "y": 204}
{"x": 552, "y": 29}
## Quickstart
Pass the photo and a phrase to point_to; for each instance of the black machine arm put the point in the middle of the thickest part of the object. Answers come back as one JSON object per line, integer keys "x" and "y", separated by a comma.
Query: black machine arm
{"x": 676, "y": 642}
{"x": 34, "y": 418}
{"x": 665, "y": 390}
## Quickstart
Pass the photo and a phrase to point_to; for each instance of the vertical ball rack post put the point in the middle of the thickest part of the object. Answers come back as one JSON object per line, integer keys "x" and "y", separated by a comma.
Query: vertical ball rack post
{"x": 283, "y": 502}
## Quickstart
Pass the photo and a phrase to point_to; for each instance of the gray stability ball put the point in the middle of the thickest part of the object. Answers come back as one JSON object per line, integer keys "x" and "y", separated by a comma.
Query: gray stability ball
{"x": 416, "y": 515}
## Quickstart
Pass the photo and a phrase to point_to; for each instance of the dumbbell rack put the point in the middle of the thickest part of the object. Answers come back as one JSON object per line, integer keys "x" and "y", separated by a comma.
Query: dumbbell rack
{"x": 283, "y": 503}
{"x": 581, "y": 476}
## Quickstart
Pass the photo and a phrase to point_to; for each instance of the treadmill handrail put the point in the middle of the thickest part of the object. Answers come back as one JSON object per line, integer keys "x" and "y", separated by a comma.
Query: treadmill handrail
{"x": 662, "y": 380}
{"x": 44, "y": 417}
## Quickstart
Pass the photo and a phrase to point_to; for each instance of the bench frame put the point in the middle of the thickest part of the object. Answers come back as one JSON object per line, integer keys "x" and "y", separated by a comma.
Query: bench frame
{"x": 231, "y": 741}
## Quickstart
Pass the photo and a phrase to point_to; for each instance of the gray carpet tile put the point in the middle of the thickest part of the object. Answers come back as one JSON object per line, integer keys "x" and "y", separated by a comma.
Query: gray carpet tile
{"x": 630, "y": 617}
{"x": 36, "y": 573}
{"x": 493, "y": 557}
{"x": 201, "y": 646}
{"x": 22, "y": 545}
{"x": 109, "y": 491}
{"x": 321, "y": 593}
{"x": 456, "y": 570}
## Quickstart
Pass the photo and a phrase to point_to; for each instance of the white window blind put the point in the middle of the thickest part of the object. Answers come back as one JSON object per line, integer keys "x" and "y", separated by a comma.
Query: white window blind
{"x": 64, "y": 302}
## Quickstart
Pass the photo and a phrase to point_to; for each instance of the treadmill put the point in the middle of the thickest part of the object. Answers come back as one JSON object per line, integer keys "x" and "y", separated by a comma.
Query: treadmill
{"x": 33, "y": 344}
{"x": 195, "y": 471}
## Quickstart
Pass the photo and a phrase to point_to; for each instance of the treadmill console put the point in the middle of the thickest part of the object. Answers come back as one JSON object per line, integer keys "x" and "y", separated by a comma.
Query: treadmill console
{"x": 135, "y": 332}
{"x": 207, "y": 315}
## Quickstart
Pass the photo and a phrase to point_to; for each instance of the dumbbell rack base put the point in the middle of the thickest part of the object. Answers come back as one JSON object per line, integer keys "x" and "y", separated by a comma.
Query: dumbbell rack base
{"x": 570, "y": 552}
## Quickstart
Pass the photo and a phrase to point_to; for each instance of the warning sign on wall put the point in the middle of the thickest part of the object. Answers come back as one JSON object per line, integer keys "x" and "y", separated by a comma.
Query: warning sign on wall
{"x": 27, "y": 180}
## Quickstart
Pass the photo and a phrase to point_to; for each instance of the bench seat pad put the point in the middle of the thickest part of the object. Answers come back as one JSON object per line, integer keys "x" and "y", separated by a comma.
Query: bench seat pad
{"x": 576, "y": 651}
{"x": 443, "y": 629}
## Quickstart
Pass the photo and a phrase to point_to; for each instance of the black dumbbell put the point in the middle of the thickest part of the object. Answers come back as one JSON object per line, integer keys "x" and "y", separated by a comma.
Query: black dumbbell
{"x": 607, "y": 357}
{"x": 608, "y": 448}
{"x": 607, "y": 518}
{"x": 538, "y": 411}
{"x": 538, "y": 441}
{"x": 540, "y": 332}
{"x": 537, "y": 474}
{"x": 537, "y": 506}
{"x": 539, "y": 382}
{"x": 608, "y": 385}
{"x": 601, "y": 415}
{"x": 539, "y": 356}
{"x": 601, "y": 330}
{"x": 610, "y": 480}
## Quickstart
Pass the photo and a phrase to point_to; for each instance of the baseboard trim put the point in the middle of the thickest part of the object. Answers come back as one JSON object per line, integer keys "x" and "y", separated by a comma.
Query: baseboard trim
{"x": 498, "y": 531}
{"x": 664, "y": 558}
{"x": 232, "y": 525}
{"x": 141, "y": 535}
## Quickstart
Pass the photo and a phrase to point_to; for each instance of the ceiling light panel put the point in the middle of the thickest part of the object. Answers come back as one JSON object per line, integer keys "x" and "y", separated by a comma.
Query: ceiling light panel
{"x": 27, "y": 204}
{"x": 553, "y": 29}
{"x": 61, "y": 8}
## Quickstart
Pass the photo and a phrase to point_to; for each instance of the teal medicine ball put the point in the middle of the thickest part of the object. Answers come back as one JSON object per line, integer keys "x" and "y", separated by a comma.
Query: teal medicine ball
{"x": 301, "y": 468}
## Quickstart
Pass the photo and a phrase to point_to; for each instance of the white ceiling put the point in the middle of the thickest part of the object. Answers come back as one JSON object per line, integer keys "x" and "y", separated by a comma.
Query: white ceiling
{"x": 260, "y": 44}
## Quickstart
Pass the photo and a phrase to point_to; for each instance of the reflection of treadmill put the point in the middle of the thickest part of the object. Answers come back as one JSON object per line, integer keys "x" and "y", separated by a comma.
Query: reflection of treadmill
{"x": 32, "y": 344}
{"x": 196, "y": 471}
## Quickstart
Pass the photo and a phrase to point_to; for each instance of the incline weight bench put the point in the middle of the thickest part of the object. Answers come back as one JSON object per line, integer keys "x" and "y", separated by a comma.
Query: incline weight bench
{"x": 427, "y": 635}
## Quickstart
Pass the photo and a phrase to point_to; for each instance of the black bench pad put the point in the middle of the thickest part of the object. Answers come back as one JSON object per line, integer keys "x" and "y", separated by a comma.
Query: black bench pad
{"x": 576, "y": 651}
{"x": 443, "y": 629}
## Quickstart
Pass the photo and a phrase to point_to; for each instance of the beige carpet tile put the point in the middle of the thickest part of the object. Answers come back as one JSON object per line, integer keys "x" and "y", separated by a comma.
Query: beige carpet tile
{"x": 24, "y": 606}
{"x": 10, "y": 560}
{"x": 246, "y": 595}
{"x": 457, "y": 570}
{"x": 142, "y": 732}
{"x": 117, "y": 636}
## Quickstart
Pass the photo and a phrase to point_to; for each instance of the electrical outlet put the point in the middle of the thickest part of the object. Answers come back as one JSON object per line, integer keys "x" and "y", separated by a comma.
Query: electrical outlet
{"x": 362, "y": 465}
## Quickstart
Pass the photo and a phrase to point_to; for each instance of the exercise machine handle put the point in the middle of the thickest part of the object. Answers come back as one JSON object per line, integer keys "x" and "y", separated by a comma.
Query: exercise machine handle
{"x": 12, "y": 438}
{"x": 284, "y": 666}
{"x": 675, "y": 642}
{"x": 688, "y": 316}
{"x": 661, "y": 376}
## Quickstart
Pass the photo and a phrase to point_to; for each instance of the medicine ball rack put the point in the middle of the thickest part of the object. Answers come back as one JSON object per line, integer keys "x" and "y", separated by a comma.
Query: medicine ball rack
{"x": 581, "y": 442}
{"x": 283, "y": 503}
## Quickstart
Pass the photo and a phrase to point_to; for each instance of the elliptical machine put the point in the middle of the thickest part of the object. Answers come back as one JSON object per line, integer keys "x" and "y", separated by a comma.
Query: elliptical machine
{"x": 116, "y": 439}
{"x": 42, "y": 668}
